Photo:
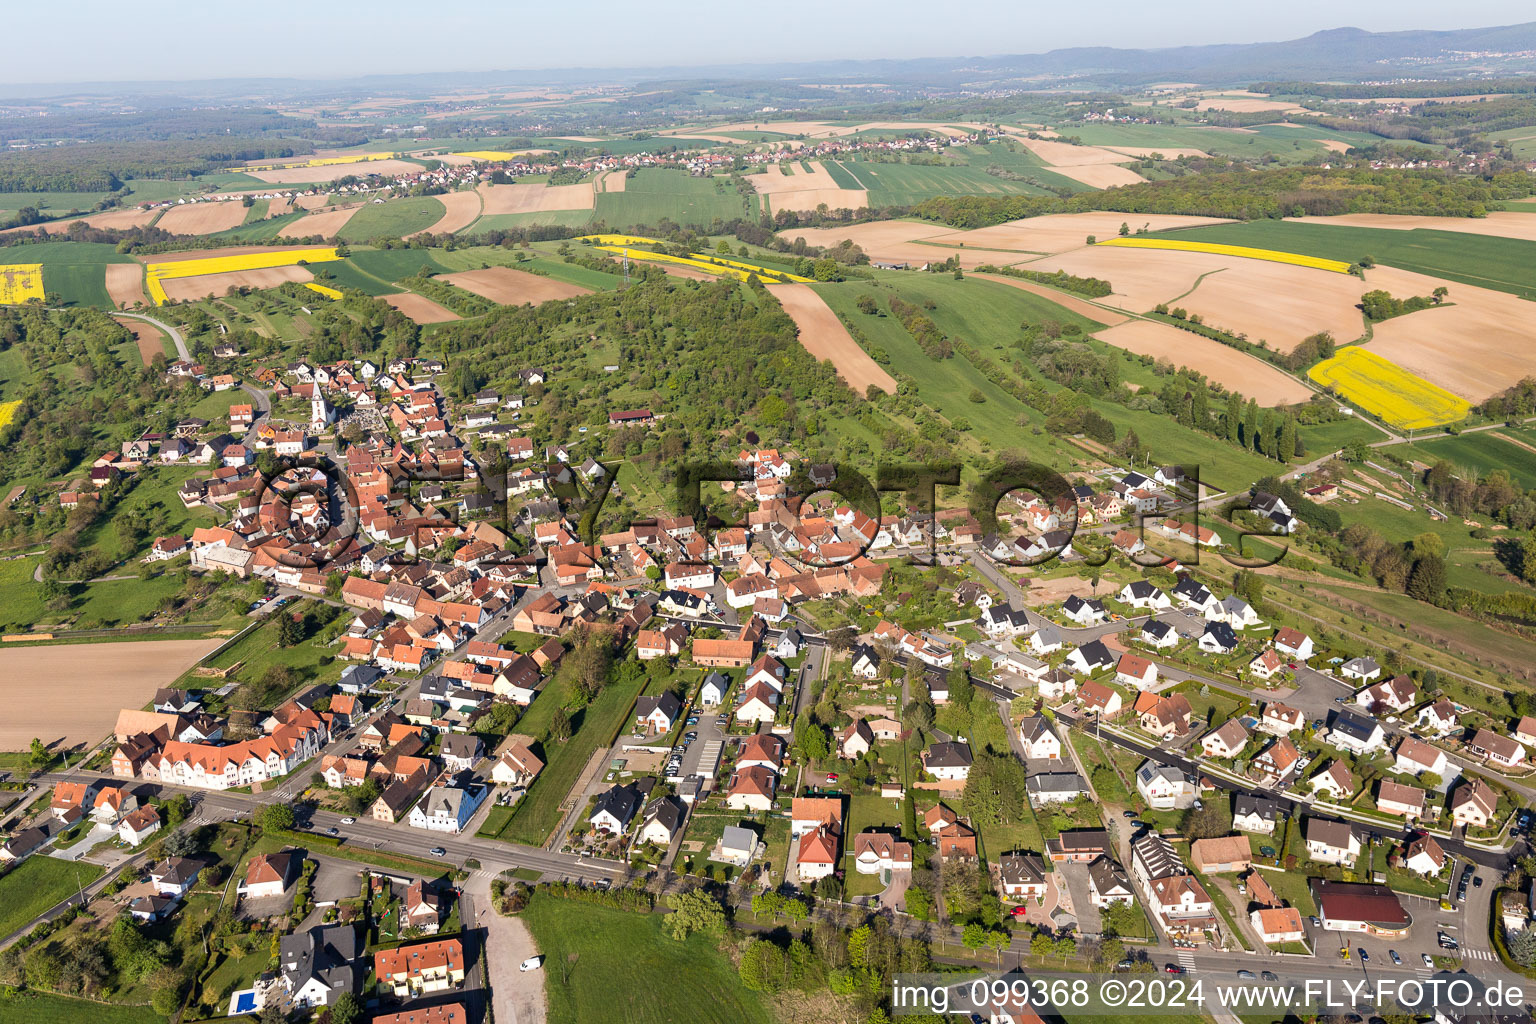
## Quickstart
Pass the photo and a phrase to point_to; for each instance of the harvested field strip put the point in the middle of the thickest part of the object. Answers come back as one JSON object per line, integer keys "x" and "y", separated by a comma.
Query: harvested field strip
{"x": 420, "y": 308}
{"x": 20, "y": 282}
{"x": 1232, "y": 369}
{"x": 330, "y": 293}
{"x": 164, "y": 271}
{"x": 461, "y": 210}
{"x": 825, "y": 337}
{"x": 1269, "y": 255}
{"x": 150, "y": 339}
{"x": 1388, "y": 391}
{"x": 513, "y": 287}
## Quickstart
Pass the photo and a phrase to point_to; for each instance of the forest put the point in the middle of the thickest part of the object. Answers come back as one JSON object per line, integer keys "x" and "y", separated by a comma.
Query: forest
{"x": 1255, "y": 195}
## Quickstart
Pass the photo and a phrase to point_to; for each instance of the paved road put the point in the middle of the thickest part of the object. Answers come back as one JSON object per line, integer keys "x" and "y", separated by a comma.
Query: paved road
{"x": 175, "y": 335}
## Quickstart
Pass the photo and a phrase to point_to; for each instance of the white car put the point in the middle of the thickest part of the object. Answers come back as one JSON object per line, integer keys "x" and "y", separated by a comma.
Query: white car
{"x": 349, "y": 821}
{"x": 533, "y": 963}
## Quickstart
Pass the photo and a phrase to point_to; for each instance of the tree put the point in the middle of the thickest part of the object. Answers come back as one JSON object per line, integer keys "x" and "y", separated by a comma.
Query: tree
{"x": 347, "y": 1009}
{"x": 1427, "y": 579}
{"x": 975, "y": 936}
{"x": 858, "y": 946}
{"x": 277, "y": 818}
{"x": 560, "y": 725}
{"x": 38, "y": 755}
{"x": 1522, "y": 947}
{"x": 694, "y": 911}
{"x": 917, "y": 715}
{"x": 1205, "y": 822}
{"x": 289, "y": 630}
{"x": 1287, "y": 449}
{"x": 762, "y": 966}
{"x": 1251, "y": 425}
{"x": 177, "y": 809}
{"x": 961, "y": 691}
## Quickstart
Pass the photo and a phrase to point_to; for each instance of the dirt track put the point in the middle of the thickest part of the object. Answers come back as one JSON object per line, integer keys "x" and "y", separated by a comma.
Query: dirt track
{"x": 825, "y": 337}
{"x": 84, "y": 686}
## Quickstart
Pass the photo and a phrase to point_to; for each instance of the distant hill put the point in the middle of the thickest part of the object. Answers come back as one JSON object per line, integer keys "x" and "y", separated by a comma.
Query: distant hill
{"x": 1340, "y": 54}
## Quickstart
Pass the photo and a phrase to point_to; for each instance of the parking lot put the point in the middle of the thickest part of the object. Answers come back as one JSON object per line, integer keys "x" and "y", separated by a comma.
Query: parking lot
{"x": 702, "y": 755}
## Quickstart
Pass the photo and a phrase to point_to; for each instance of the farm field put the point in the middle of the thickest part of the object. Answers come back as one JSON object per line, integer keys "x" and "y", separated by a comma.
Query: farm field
{"x": 1497, "y": 224}
{"x": 103, "y": 678}
{"x": 326, "y": 221}
{"x": 910, "y": 184}
{"x": 71, "y": 270}
{"x": 460, "y": 210}
{"x": 125, "y": 284}
{"x": 609, "y": 962}
{"x": 202, "y": 218}
{"x": 1474, "y": 345}
{"x": 332, "y": 171}
{"x": 1502, "y": 264}
{"x": 1276, "y": 303}
{"x": 825, "y": 337}
{"x": 1058, "y": 232}
{"x": 1218, "y": 249}
{"x": 1082, "y": 307}
{"x": 1386, "y": 390}
{"x": 394, "y": 219}
{"x": 108, "y": 219}
{"x": 653, "y": 194}
{"x": 1481, "y": 452}
{"x": 151, "y": 340}
{"x": 20, "y": 282}
{"x": 805, "y": 190}
{"x": 536, "y": 197}
{"x": 1288, "y": 143}
{"x": 513, "y": 287}
{"x": 420, "y": 308}
{"x": 1232, "y": 369}
{"x": 260, "y": 267}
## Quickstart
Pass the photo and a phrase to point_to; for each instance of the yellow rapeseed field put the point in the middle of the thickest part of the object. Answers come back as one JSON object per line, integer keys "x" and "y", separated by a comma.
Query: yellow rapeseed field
{"x": 157, "y": 272}
{"x": 1271, "y": 255}
{"x": 619, "y": 244}
{"x": 1384, "y": 389}
{"x": 619, "y": 240}
{"x": 20, "y": 282}
{"x": 8, "y": 411}
{"x": 330, "y": 293}
{"x": 360, "y": 158}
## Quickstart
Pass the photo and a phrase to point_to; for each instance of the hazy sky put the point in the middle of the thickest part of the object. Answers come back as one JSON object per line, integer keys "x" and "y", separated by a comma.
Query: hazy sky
{"x": 183, "y": 39}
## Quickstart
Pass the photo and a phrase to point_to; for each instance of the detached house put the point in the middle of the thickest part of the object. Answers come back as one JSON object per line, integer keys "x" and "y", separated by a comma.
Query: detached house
{"x": 1144, "y": 595}
{"x": 1439, "y": 718}
{"x": 1335, "y": 781}
{"x": 1397, "y": 694}
{"x": 1395, "y": 798}
{"x": 1496, "y": 749}
{"x": 1164, "y": 787}
{"x": 1281, "y": 719}
{"x": 1022, "y": 876}
{"x": 1357, "y": 734}
{"x": 1257, "y": 814}
{"x": 1474, "y": 804}
{"x": 1293, "y": 643}
{"x": 1415, "y": 757}
{"x": 1227, "y": 741}
{"x": 1038, "y": 740}
{"x": 1332, "y": 842}
{"x": 1134, "y": 670}
{"x": 948, "y": 762}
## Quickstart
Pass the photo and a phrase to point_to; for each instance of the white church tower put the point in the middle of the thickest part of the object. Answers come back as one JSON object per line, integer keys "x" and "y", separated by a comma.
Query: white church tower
{"x": 321, "y": 415}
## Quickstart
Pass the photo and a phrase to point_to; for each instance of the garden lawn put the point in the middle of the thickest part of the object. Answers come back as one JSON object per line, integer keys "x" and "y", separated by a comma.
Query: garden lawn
{"x": 537, "y": 814}
{"x": 33, "y": 1007}
{"x": 38, "y": 884}
{"x": 607, "y": 964}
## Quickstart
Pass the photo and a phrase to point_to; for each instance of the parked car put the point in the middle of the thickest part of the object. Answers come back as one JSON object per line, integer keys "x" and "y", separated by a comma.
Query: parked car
{"x": 1247, "y": 975}
{"x": 1395, "y": 958}
{"x": 1365, "y": 957}
{"x": 1428, "y": 961}
{"x": 1269, "y": 976}
{"x": 533, "y": 963}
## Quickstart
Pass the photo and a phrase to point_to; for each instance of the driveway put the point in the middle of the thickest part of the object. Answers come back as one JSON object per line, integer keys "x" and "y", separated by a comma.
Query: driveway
{"x": 1076, "y": 876}
{"x": 516, "y": 997}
